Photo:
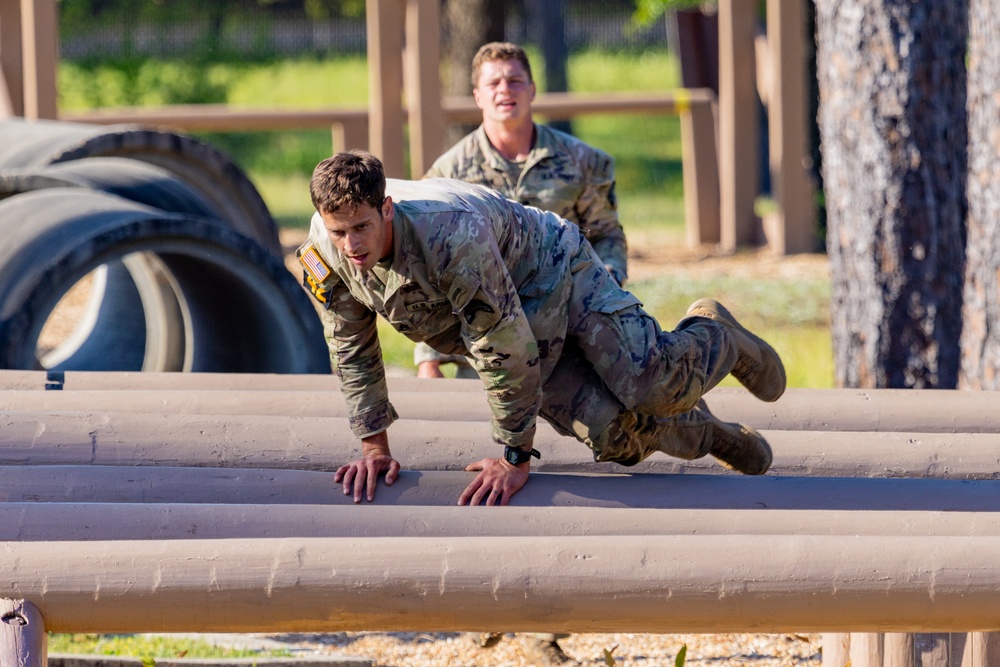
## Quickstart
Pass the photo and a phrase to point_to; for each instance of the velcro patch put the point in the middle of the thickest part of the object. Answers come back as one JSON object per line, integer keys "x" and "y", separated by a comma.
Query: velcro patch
{"x": 314, "y": 265}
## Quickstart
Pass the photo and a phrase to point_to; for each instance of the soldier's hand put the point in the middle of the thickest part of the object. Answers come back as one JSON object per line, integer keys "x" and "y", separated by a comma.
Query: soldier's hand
{"x": 496, "y": 482}
{"x": 362, "y": 475}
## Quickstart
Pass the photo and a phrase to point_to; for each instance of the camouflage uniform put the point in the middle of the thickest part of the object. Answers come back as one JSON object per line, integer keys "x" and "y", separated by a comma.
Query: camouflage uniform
{"x": 521, "y": 293}
{"x": 561, "y": 174}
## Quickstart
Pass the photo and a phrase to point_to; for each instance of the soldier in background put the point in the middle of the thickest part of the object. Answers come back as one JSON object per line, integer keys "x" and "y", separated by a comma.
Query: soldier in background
{"x": 531, "y": 164}
{"x": 551, "y": 333}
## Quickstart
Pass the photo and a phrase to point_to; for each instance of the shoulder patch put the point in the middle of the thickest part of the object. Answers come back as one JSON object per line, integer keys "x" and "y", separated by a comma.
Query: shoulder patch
{"x": 314, "y": 265}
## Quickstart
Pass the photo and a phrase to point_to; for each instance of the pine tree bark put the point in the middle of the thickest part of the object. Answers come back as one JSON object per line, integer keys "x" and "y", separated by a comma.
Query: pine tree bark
{"x": 468, "y": 24}
{"x": 980, "y": 342}
{"x": 892, "y": 120}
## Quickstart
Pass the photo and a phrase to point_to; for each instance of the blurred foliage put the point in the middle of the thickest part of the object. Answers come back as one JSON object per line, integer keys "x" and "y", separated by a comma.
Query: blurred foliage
{"x": 87, "y": 12}
{"x": 647, "y": 11}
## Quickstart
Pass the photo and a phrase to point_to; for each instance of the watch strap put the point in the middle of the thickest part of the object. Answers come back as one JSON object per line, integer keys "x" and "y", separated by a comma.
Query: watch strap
{"x": 516, "y": 455}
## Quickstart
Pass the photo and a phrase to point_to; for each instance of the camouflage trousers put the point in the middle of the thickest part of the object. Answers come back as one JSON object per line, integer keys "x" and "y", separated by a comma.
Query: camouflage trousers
{"x": 627, "y": 388}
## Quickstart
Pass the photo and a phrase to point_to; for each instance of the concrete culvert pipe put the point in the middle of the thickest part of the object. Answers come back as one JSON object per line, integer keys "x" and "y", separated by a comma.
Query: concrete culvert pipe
{"x": 242, "y": 310}
{"x": 26, "y": 144}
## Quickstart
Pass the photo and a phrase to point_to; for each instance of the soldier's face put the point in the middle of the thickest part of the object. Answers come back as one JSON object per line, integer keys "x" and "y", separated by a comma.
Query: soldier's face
{"x": 504, "y": 91}
{"x": 363, "y": 235}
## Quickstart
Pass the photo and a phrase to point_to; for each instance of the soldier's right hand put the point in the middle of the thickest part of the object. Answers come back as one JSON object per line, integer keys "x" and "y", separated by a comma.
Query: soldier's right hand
{"x": 362, "y": 475}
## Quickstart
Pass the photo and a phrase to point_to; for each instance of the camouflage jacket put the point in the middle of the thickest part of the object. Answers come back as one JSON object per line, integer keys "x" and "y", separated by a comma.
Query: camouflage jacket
{"x": 471, "y": 273}
{"x": 562, "y": 174}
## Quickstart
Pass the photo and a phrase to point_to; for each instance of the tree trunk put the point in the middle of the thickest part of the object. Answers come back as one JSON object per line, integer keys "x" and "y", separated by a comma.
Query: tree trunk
{"x": 981, "y": 334}
{"x": 468, "y": 24}
{"x": 893, "y": 126}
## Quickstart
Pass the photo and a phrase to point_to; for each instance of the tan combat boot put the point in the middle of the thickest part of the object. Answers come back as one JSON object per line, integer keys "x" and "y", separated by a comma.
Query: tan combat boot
{"x": 738, "y": 447}
{"x": 758, "y": 367}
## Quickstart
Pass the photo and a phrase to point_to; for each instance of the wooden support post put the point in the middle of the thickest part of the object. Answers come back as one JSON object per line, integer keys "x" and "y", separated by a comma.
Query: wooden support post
{"x": 11, "y": 60}
{"x": 792, "y": 228}
{"x": 349, "y": 134}
{"x": 836, "y": 649}
{"x": 23, "y": 640}
{"x": 737, "y": 123}
{"x": 423, "y": 83}
{"x": 701, "y": 173}
{"x": 975, "y": 649}
{"x": 40, "y": 28}
{"x": 384, "y": 20}
{"x": 898, "y": 650}
{"x": 866, "y": 649}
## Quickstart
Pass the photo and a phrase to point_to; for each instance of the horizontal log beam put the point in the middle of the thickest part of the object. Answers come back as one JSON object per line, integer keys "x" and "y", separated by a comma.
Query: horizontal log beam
{"x": 121, "y": 484}
{"x": 665, "y": 583}
{"x": 311, "y": 443}
{"x": 876, "y": 410}
{"x": 64, "y": 521}
{"x": 227, "y": 118}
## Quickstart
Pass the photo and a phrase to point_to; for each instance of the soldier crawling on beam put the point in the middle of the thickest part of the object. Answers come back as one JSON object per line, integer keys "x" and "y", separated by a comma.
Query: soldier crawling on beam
{"x": 550, "y": 332}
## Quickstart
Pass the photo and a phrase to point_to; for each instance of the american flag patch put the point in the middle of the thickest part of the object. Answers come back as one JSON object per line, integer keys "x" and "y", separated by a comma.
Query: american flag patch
{"x": 314, "y": 264}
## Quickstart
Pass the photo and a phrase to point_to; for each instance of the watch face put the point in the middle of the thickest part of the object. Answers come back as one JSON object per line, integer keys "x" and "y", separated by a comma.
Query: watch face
{"x": 511, "y": 456}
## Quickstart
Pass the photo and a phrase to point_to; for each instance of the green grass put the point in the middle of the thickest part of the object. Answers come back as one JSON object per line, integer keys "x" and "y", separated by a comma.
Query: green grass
{"x": 147, "y": 647}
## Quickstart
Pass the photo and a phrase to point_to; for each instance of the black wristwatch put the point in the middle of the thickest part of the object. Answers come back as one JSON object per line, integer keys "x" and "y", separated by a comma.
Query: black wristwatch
{"x": 516, "y": 456}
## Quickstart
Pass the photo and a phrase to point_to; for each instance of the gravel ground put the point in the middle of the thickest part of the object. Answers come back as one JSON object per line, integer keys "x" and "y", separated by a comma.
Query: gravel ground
{"x": 399, "y": 649}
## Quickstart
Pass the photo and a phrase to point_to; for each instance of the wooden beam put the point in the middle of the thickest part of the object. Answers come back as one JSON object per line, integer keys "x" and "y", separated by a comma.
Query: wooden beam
{"x": 11, "y": 60}
{"x": 701, "y": 175}
{"x": 148, "y": 484}
{"x": 422, "y": 66}
{"x": 385, "y": 19}
{"x": 325, "y": 443}
{"x": 71, "y": 521}
{"x": 40, "y": 30}
{"x": 737, "y": 123}
{"x": 793, "y": 228}
{"x": 684, "y": 583}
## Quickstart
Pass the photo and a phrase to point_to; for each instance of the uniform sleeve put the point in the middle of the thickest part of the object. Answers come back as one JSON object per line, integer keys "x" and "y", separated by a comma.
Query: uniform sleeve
{"x": 351, "y": 333}
{"x": 495, "y": 330}
{"x": 597, "y": 211}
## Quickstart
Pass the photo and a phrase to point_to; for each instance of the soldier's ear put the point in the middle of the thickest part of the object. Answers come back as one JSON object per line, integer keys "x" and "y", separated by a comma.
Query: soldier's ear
{"x": 388, "y": 210}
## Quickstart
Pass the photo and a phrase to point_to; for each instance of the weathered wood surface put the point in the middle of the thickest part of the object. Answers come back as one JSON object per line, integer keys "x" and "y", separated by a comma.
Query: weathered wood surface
{"x": 676, "y": 583}
{"x": 36, "y": 522}
{"x": 313, "y": 443}
{"x": 120, "y": 484}
{"x": 928, "y": 410}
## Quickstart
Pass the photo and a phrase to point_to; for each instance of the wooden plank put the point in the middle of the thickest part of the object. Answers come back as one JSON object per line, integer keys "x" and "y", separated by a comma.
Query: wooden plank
{"x": 737, "y": 123}
{"x": 684, "y": 583}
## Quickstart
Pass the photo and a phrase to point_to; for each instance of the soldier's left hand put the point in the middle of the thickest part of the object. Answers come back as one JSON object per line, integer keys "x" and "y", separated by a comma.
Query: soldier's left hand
{"x": 496, "y": 482}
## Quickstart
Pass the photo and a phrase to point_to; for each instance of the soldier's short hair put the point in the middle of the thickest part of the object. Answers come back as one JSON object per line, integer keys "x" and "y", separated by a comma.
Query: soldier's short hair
{"x": 494, "y": 51}
{"x": 348, "y": 180}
